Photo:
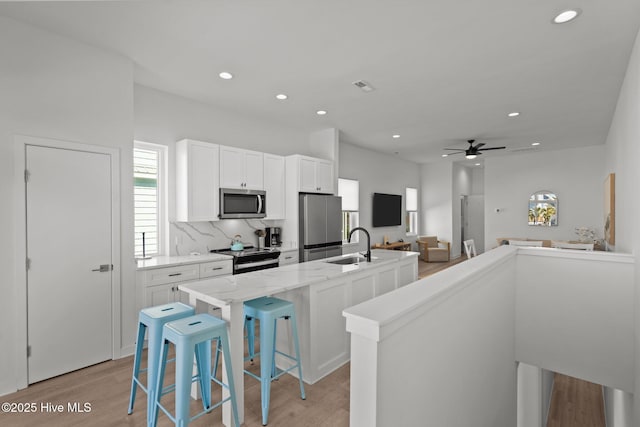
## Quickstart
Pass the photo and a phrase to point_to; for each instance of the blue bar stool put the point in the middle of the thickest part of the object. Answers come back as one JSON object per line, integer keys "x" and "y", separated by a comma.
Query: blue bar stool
{"x": 193, "y": 335}
{"x": 268, "y": 310}
{"x": 153, "y": 319}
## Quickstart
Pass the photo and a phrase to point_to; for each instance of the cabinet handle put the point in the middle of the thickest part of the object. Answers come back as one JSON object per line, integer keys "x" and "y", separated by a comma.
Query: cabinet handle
{"x": 175, "y": 274}
{"x": 217, "y": 268}
{"x": 288, "y": 257}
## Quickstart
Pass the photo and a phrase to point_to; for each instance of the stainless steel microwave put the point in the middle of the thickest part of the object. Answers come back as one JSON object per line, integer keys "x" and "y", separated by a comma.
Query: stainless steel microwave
{"x": 238, "y": 203}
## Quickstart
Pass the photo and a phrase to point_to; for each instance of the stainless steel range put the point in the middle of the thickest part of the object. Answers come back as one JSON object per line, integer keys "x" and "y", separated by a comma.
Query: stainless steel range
{"x": 251, "y": 258}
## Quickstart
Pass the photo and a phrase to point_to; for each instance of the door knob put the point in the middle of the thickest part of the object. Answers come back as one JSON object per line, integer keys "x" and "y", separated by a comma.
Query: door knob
{"x": 104, "y": 268}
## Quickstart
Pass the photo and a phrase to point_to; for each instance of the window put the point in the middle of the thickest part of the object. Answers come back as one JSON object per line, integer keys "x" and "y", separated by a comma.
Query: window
{"x": 149, "y": 197}
{"x": 412, "y": 211}
{"x": 349, "y": 190}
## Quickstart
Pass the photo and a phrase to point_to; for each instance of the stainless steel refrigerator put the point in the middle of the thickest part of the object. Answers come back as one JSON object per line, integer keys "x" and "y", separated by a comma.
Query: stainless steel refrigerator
{"x": 320, "y": 226}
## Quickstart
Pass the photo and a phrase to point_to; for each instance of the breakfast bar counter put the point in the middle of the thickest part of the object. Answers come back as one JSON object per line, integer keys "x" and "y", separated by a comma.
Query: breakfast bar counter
{"x": 320, "y": 291}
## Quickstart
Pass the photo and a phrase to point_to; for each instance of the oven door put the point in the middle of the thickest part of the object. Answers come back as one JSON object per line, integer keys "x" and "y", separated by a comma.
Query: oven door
{"x": 246, "y": 267}
{"x": 235, "y": 203}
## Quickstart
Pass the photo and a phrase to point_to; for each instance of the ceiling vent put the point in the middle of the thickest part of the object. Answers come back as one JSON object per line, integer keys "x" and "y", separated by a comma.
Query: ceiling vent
{"x": 364, "y": 86}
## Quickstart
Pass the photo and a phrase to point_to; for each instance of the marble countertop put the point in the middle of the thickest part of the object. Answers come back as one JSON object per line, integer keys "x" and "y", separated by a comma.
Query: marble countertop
{"x": 242, "y": 287}
{"x": 170, "y": 261}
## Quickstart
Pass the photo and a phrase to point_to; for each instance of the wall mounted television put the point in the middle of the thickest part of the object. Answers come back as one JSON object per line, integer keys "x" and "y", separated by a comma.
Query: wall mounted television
{"x": 387, "y": 210}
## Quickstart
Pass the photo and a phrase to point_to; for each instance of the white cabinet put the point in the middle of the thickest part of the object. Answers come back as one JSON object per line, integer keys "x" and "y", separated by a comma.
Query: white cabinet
{"x": 163, "y": 294}
{"x": 197, "y": 181}
{"x": 324, "y": 342}
{"x": 314, "y": 175}
{"x": 274, "y": 185}
{"x": 330, "y": 340}
{"x": 241, "y": 168}
{"x": 287, "y": 257}
{"x": 180, "y": 273}
{"x": 160, "y": 285}
{"x": 215, "y": 268}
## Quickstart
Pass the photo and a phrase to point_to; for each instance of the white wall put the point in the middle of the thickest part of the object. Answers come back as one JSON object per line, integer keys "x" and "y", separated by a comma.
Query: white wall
{"x": 477, "y": 180}
{"x": 460, "y": 372}
{"x": 575, "y": 314}
{"x": 575, "y": 175}
{"x": 436, "y": 205}
{"x": 378, "y": 173}
{"x": 623, "y": 152}
{"x": 54, "y": 87}
{"x": 475, "y": 320}
{"x": 164, "y": 118}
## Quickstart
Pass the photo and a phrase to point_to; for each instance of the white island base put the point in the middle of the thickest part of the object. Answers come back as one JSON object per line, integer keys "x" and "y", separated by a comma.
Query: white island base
{"x": 320, "y": 291}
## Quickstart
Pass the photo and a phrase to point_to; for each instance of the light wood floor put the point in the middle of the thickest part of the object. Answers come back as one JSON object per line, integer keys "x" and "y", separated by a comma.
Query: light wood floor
{"x": 575, "y": 403}
{"x": 428, "y": 268}
{"x": 106, "y": 386}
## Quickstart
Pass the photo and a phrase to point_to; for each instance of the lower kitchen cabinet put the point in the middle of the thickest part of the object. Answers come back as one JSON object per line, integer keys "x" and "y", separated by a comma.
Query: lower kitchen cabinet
{"x": 324, "y": 341}
{"x": 160, "y": 285}
{"x": 330, "y": 340}
{"x": 289, "y": 256}
{"x": 163, "y": 294}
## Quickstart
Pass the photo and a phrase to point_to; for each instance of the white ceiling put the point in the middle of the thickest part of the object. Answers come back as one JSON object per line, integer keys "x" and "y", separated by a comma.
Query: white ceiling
{"x": 444, "y": 70}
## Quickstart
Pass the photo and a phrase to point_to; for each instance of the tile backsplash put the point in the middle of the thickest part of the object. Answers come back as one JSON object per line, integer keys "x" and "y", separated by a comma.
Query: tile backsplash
{"x": 189, "y": 237}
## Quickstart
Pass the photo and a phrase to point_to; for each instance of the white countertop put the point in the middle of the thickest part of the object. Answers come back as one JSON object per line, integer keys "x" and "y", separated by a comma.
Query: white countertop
{"x": 168, "y": 261}
{"x": 242, "y": 287}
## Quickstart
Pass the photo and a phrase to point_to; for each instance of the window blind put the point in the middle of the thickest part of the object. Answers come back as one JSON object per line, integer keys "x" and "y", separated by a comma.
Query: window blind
{"x": 145, "y": 196}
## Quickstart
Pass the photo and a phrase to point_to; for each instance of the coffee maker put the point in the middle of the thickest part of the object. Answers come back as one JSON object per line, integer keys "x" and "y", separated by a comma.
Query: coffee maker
{"x": 273, "y": 237}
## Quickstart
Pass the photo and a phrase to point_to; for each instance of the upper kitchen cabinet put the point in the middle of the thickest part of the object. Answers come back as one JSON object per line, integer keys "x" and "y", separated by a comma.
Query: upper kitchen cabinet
{"x": 274, "y": 185}
{"x": 314, "y": 175}
{"x": 241, "y": 168}
{"x": 197, "y": 181}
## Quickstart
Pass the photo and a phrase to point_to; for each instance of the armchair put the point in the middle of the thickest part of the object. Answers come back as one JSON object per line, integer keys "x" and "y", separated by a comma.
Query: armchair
{"x": 434, "y": 250}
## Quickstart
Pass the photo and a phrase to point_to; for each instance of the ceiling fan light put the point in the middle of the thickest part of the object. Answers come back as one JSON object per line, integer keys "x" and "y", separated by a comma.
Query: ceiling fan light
{"x": 471, "y": 156}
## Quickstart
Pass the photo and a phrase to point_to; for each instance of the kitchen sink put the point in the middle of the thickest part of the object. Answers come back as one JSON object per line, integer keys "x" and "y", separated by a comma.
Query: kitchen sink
{"x": 348, "y": 260}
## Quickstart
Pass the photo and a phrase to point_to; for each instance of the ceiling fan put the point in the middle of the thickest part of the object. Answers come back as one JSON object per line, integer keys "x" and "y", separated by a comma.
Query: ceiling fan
{"x": 474, "y": 150}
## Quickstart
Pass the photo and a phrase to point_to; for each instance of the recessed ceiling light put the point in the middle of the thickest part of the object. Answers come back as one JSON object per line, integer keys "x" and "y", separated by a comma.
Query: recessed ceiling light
{"x": 396, "y": 136}
{"x": 513, "y": 114}
{"x": 535, "y": 143}
{"x": 226, "y": 75}
{"x": 281, "y": 96}
{"x": 566, "y": 16}
{"x": 477, "y": 164}
{"x": 321, "y": 112}
{"x": 445, "y": 155}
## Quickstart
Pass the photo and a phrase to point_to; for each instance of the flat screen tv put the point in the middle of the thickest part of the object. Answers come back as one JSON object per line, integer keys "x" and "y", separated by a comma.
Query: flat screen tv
{"x": 387, "y": 210}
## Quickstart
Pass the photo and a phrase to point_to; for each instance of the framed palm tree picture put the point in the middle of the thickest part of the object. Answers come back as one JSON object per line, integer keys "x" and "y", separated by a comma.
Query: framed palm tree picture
{"x": 543, "y": 209}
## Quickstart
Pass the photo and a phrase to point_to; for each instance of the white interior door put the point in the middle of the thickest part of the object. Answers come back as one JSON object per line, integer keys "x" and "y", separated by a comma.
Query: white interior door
{"x": 476, "y": 221}
{"x": 68, "y": 203}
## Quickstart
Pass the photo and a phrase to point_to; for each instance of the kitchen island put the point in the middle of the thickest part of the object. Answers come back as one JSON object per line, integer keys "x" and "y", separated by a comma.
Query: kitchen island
{"x": 320, "y": 290}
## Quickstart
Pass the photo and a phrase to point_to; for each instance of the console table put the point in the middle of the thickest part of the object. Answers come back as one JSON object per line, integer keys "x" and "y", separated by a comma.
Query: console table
{"x": 400, "y": 246}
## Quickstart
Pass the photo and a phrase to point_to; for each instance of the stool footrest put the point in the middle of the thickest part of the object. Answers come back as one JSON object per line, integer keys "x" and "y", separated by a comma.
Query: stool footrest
{"x": 168, "y": 389}
{"x": 251, "y": 374}
{"x": 198, "y": 415}
{"x": 140, "y": 384}
{"x": 282, "y": 372}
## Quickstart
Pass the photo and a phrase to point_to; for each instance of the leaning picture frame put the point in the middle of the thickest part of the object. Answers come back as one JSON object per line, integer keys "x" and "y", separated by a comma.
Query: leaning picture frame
{"x": 610, "y": 209}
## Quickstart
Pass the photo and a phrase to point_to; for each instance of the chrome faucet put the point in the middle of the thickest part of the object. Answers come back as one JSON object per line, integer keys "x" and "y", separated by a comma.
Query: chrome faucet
{"x": 368, "y": 254}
